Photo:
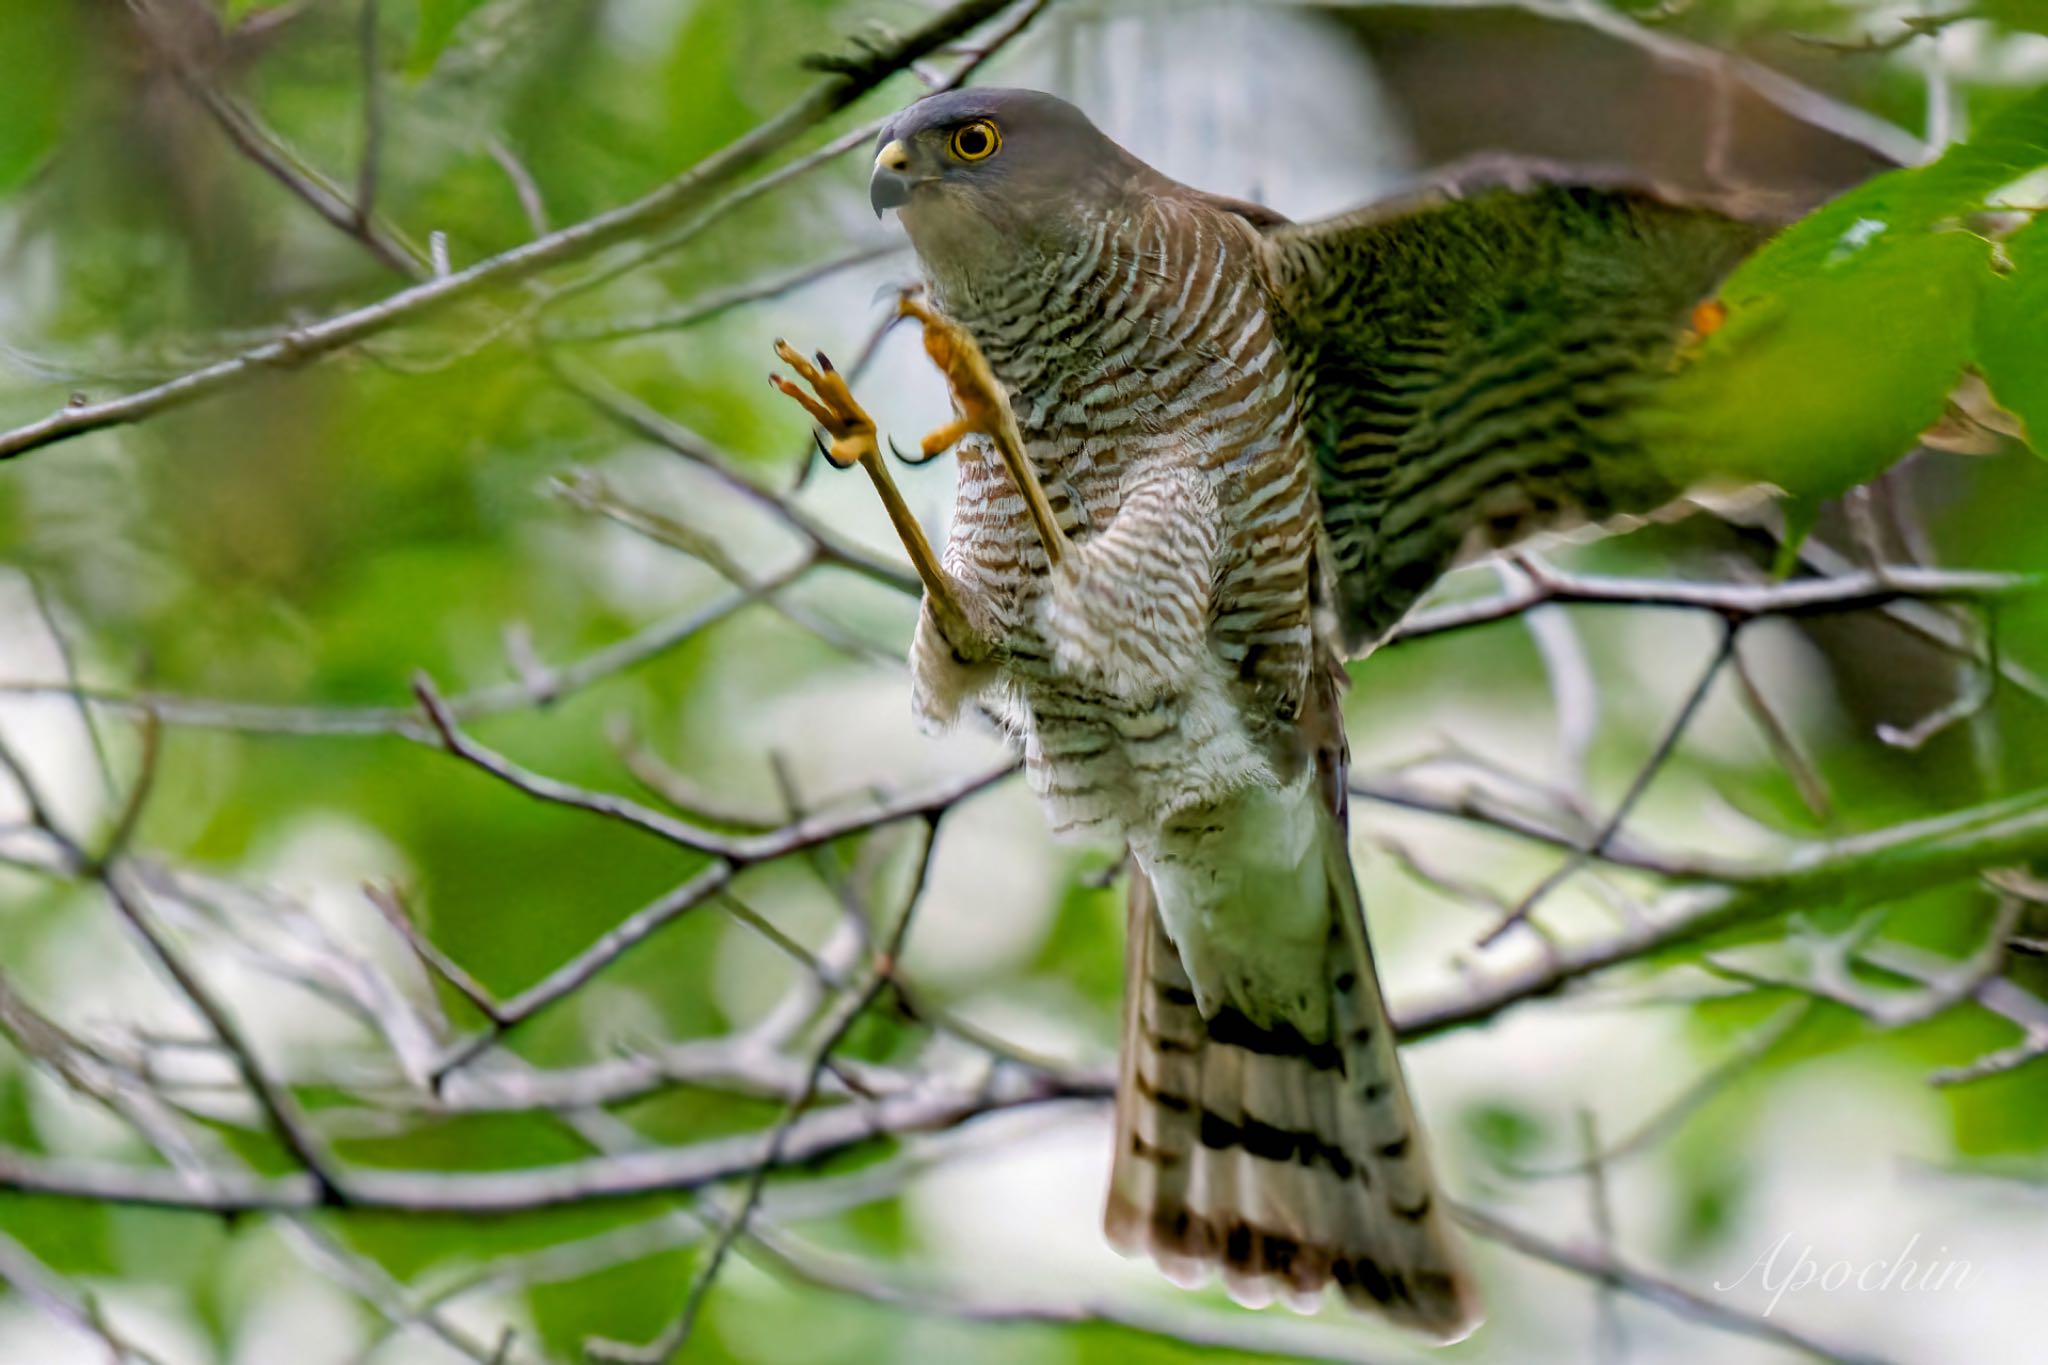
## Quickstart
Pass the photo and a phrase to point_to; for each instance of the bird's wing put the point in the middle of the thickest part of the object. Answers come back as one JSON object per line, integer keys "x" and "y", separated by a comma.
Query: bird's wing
{"x": 1470, "y": 356}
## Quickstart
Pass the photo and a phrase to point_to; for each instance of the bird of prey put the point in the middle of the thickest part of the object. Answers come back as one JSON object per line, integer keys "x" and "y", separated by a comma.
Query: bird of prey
{"x": 1206, "y": 454}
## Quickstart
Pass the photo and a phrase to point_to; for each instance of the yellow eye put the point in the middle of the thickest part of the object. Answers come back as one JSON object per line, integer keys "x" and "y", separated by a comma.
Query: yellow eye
{"x": 976, "y": 141}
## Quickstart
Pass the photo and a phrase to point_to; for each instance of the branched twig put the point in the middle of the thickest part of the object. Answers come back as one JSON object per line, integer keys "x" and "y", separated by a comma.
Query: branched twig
{"x": 303, "y": 345}
{"x": 716, "y": 303}
{"x": 265, "y": 150}
{"x": 627, "y": 1175}
{"x": 1880, "y": 866}
{"x": 827, "y": 545}
{"x": 1641, "y": 783}
{"x": 1831, "y": 972}
{"x": 1850, "y": 591}
{"x": 36, "y": 1283}
{"x": 1911, "y": 28}
{"x": 853, "y": 1004}
{"x": 538, "y": 689}
{"x": 738, "y": 854}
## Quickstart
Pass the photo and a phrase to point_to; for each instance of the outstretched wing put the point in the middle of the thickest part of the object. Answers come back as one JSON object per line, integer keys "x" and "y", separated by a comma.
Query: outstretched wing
{"x": 1470, "y": 358}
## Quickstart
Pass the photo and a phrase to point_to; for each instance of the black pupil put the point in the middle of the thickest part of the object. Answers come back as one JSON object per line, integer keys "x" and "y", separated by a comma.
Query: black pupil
{"x": 974, "y": 141}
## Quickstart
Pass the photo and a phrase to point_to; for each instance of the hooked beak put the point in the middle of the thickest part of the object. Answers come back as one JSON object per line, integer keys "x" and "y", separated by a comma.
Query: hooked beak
{"x": 891, "y": 183}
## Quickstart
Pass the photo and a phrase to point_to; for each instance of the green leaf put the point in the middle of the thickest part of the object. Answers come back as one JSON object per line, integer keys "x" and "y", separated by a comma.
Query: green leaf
{"x": 1841, "y": 340}
{"x": 41, "y": 42}
{"x": 2012, "y": 333}
{"x": 1823, "y": 382}
{"x": 438, "y": 21}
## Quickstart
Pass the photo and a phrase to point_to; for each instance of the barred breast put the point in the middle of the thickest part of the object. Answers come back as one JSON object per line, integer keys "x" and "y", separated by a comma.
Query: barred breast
{"x": 1145, "y": 347}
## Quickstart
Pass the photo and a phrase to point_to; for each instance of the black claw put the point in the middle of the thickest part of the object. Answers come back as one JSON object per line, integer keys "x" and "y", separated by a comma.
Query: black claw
{"x": 818, "y": 440}
{"x": 824, "y": 361}
{"x": 917, "y": 459}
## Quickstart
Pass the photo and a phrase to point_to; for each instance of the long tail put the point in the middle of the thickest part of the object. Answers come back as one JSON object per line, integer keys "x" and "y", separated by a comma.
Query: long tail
{"x": 1286, "y": 1162}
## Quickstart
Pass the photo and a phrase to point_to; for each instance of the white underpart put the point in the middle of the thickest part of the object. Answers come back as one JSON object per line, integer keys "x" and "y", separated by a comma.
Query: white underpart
{"x": 1241, "y": 887}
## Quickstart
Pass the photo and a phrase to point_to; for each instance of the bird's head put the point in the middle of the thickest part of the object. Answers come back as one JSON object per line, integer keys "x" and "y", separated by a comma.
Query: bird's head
{"x": 973, "y": 173}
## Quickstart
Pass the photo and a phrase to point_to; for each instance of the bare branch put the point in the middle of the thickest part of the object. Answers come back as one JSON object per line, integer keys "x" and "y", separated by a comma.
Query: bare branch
{"x": 1862, "y": 869}
{"x": 718, "y": 302}
{"x": 852, "y": 1006}
{"x": 1802, "y": 102}
{"x": 42, "y": 1287}
{"x": 282, "y": 1111}
{"x": 1806, "y": 778}
{"x": 1603, "y": 1268}
{"x": 391, "y": 905}
{"x": 303, "y": 345}
{"x": 1845, "y": 592}
{"x": 1641, "y": 783}
{"x": 266, "y": 150}
{"x": 1911, "y": 27}
{"x": 541, "y": 689}
{"x": 739, "y": 854}
{"x": 624, "y": 1176}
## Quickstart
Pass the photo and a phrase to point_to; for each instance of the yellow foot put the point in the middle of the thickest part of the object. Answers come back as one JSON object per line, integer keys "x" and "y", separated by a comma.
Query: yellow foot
{"x": 831, "y": 404}
{"x": 984, "y": 410}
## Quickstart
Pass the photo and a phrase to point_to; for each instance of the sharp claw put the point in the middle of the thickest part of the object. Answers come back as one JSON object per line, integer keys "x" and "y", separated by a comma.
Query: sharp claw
{"x": 818, "y": 440}
{"x": 897, "y": 451}
{"x": 824, "y": 362}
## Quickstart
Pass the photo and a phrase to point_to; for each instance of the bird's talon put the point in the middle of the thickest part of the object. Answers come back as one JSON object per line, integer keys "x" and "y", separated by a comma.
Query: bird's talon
{"x": 831, "y": 405}
{"x": 921, "y": 457}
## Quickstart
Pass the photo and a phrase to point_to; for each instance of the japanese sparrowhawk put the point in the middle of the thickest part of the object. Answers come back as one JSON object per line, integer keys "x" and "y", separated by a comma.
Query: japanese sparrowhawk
{"x": 1204, "y": 455}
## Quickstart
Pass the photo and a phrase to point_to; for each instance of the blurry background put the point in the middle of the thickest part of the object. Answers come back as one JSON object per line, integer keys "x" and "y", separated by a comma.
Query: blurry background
{"x": 518, "y": 497}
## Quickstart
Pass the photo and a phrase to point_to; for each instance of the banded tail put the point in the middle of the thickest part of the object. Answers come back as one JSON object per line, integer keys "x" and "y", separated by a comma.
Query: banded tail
{"x": 1285, "y": 1155}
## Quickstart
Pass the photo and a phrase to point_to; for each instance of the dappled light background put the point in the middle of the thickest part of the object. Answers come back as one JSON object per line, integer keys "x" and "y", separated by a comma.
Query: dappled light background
{"x": 519, "y": 499}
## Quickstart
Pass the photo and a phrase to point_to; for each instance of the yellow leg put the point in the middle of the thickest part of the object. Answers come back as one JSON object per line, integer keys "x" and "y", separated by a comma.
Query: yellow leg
{"x": 832, "y": 404}
{"x": 983, "y": 409}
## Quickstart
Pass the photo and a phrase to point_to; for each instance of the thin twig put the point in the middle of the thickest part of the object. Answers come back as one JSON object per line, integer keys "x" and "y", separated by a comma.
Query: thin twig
{"x": 740, "y": 853}
{"x": 1641, "y": 783}
{"x": 1606, "y": 1269}
{"x": 390, "y": 903}
{"x": 852, "y": 1006}
{"x": 717, "y": 302}
{"x": 265, "y": 150}
{"x": 303, "y": 345}
{"x": 1671, "y": 1116}
{"x": 1912, "y": 27}
{"x": 278, "y": 1107}
{"x": 1806, "y": 778}
{"x": 41, "y": 1286}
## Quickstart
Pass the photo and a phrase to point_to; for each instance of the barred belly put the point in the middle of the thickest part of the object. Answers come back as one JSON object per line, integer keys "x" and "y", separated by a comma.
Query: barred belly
{"x": 1145, "y": 348}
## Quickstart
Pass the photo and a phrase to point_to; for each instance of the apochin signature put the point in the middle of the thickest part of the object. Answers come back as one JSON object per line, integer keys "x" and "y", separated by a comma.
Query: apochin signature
{"x": 1780, "y": 1271}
